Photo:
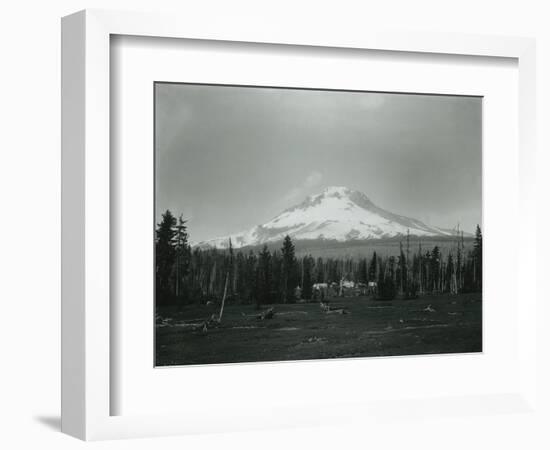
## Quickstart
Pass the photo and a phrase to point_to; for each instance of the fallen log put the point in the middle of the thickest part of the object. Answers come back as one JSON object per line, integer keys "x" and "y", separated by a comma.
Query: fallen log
{"x": 327, "y": 309}
{"x": 268, "y": 314}
{"x": 337, "y": 311}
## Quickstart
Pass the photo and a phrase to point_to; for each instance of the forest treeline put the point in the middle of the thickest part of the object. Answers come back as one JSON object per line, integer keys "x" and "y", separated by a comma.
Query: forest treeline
{"x": 195, "y": 275}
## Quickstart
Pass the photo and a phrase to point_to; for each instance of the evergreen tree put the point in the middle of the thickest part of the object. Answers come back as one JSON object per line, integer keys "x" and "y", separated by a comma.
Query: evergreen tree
{"x": 289, "y": 269}
{"x": 231, "y": 269}
{"x": 165, "y": 256}
{"x": 478, "y": 260}
{"x": 363, "y": 271}
{"x": 320, "y": 271}
{"x": 276, "y": 277}
{"x": 450, "y": 275}
{"x": 387, "y": 289}
{"x": 402, "y": 263}
{"x": 182, "y": 258}
{"x": 332, "y": 273}
{"x": 435, "y": 266}
{"x": 307, "y": 285}
{"x": 241, "y": 284}
{"x": 264, "y": 277}
{"x": 251, "y": 278}
{"x": 416, "y": 272}
{"x": 373, "y": 268}
{"x": 193, "y": 286}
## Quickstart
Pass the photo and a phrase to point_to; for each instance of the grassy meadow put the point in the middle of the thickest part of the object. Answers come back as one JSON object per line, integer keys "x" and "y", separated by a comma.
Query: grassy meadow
{"x": 427, "y": 325}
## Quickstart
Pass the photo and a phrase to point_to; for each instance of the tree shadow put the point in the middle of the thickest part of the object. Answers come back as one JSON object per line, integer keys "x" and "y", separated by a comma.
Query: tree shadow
{"x": 51, "y": 422}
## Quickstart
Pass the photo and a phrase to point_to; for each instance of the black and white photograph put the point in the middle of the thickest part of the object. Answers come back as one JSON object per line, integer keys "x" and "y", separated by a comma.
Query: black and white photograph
{"x": 302, "y": 224}
{"x": 232, "y": 225}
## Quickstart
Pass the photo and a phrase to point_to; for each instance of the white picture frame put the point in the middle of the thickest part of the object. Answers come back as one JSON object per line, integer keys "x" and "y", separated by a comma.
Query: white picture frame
{"x": 86, "y": 220}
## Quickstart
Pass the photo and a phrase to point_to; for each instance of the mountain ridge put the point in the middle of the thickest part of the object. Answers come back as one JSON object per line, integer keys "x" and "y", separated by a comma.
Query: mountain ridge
{"x": 337, "y": 214}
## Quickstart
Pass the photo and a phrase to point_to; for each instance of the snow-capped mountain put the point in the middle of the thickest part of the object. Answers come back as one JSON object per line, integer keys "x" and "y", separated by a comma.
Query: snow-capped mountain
{"x": 337, "y": 213}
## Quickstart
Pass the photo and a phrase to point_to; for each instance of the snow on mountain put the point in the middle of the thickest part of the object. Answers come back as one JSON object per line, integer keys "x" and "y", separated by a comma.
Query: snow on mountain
{"x": 337, "y": 213}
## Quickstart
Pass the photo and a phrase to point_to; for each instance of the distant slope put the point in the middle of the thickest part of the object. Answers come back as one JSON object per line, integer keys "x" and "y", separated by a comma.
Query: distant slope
{"x": 366, "y": 247}
{"x": 337, "y": 214}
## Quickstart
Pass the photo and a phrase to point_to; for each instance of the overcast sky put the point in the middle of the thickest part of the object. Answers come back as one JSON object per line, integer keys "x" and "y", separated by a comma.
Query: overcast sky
{"x": 229, "y": 158}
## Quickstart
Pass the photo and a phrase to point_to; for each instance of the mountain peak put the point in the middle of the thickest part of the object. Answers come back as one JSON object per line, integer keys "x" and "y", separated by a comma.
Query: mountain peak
{"x": 337, "y": 190}
{"x": 337, "y": 213}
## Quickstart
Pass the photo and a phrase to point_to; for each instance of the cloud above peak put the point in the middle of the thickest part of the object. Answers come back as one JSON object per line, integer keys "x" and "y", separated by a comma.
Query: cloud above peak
{"x": 298, "y": 193}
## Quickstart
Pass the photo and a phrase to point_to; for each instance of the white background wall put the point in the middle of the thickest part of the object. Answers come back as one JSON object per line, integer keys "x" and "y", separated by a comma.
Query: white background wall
{"x": 30, "y": 197}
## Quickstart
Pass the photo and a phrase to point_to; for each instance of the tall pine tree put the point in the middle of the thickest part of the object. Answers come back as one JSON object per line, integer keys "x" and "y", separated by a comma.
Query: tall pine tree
{"x": 182, "y": 259}
{"x": 165, "y": 256}
{"x": 478, "y": 260}
{"x": 373, "y": 268}
{"x": 264, "y": 278}
{"x": 307, "y": 279}
{"x": 288, "y": 269}
{"x": 435, "y": 266}
{"x": 363, "y": 272}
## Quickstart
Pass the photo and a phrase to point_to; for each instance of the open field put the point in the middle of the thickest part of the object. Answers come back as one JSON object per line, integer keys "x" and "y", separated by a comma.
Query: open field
{"x": 427, "y": 325}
